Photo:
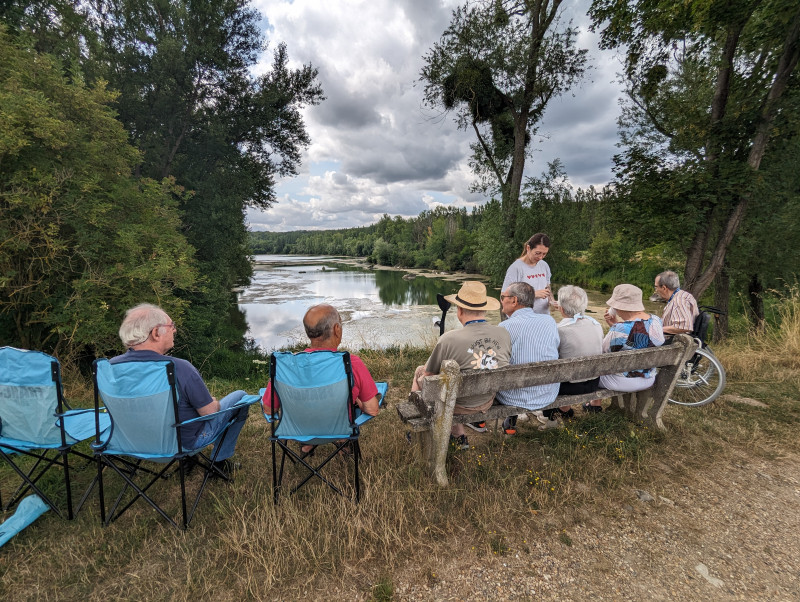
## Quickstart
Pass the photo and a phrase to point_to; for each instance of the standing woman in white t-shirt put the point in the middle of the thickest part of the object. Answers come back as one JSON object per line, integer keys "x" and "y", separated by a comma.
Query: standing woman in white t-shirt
{"x": 533, "y": 269}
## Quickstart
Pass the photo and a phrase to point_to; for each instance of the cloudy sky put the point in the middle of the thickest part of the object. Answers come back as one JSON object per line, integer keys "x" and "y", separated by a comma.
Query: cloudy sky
{"x": 375, "y": 147}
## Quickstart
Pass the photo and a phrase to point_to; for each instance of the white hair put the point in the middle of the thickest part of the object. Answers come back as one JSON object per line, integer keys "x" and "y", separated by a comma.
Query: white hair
{"x": 572, "y": 299}
{"x": 139, "y": 322}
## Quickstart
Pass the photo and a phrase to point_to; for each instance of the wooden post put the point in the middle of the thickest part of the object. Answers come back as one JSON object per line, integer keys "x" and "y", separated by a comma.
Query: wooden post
{"x": 442, "y": 421}
{"x": 665, "y": 381}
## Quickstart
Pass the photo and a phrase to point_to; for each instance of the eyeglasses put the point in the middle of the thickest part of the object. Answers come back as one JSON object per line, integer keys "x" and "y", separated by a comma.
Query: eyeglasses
{"x": 170, "y": 325}
{"x": 507, "y": 297}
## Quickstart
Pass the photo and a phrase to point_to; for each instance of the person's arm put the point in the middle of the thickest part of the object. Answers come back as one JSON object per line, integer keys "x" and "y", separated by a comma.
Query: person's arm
{"x": 209, "y": 408}
{"x": 195, "y": 392}
{"x": 371, "y": 406}
{"x": 656, "y": 331}
{"x": 675, "y": 330}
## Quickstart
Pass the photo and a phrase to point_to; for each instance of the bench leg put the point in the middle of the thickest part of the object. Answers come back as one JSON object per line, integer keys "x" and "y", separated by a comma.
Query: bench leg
{"x": 424, "y": 441}
{"x": 442, "y": 420}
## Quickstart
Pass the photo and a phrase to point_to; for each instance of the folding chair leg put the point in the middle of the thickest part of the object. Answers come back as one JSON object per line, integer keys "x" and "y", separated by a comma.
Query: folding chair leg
{"x": 65, "y": 458}
{"x": 29, "y": 480}
{"x": 356, "y": 454}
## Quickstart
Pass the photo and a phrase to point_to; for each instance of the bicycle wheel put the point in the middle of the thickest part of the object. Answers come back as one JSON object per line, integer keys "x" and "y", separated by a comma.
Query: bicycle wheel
{"x": 700, "y": 382}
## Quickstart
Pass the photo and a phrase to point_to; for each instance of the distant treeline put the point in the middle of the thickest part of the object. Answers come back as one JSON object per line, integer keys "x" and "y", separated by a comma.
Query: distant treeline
{"x": 586, "y": 247}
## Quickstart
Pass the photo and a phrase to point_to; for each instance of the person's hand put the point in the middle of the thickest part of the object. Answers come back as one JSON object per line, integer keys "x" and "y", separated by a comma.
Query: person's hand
{"x": 610, "y": 318}
{"x": 542, "y": 293}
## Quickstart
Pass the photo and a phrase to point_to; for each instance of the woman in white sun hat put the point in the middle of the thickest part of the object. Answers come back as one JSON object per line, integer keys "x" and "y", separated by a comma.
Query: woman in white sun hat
{"x": 631, "y": 327}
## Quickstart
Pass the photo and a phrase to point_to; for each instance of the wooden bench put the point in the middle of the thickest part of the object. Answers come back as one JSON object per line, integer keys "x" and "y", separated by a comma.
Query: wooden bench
{"x": 429, "y": 413}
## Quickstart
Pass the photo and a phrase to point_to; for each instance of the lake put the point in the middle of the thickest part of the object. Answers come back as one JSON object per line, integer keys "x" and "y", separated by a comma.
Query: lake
{"x": 379, "y": 307}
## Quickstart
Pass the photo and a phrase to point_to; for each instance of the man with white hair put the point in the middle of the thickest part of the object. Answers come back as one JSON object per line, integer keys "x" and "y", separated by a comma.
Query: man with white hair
{"x": 149, "y": 333}
{"x": 681, "y": 309}
{"x": 534, "y": 338}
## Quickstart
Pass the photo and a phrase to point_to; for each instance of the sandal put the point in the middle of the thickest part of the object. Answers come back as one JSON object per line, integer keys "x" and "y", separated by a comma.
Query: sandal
{"x": 307, "y": 450}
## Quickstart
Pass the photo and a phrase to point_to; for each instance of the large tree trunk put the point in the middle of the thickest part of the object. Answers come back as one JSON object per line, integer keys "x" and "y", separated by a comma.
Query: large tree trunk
{"x": 786, "y": 64}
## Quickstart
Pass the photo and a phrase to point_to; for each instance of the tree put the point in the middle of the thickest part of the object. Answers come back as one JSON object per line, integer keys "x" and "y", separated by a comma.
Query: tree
{"x": 497, "y": 66}
{"x": 707, "y": 85}
{"x": 82, "y": 239}
{"x": 196, "y": 113}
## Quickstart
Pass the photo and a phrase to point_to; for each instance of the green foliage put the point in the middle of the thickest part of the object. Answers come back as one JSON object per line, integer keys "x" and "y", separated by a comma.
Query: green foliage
{"x": 497, "y": 66}
{"x": 606, "y": 252}
{"x": 82, "y": 239}
{"x": 712, "y": 92}
{"x": 197, "y": 114}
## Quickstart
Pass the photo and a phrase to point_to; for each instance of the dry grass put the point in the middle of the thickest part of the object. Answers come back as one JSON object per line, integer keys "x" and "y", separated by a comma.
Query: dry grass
{"x": 773, "y": 354}
{"x": 504, "y": 494}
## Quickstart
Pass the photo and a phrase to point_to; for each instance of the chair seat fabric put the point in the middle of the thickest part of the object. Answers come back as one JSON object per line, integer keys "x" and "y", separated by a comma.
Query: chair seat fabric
{"x": 35, "y": 419}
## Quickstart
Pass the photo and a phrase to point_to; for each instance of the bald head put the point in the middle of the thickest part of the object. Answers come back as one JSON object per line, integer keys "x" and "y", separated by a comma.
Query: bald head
{"x": 323, "y": 326}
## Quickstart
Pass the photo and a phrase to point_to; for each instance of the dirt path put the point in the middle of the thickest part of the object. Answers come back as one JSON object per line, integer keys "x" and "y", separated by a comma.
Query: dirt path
{"x": 733, "y": 534}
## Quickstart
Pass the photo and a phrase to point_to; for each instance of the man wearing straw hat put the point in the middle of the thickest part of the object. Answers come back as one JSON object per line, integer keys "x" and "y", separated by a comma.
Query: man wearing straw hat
{"x": 476, "y": 346}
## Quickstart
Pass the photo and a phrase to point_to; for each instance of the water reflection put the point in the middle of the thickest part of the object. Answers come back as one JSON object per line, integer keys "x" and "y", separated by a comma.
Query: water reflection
{"x": 380, "y": 308}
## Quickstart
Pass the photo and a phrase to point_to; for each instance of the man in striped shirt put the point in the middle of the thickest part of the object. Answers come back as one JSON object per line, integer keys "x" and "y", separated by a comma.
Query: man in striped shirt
{"x": 681, "y": 310}
{"x": 534, "y": 338}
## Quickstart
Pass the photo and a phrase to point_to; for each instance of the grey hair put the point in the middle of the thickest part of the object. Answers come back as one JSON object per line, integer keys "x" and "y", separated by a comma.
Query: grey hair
{"x": 572, "y": 299}
{"x": 669, "y": 279}
{"x": 139, "y": 322}
{"x": 475, "y": 314}
{"x": 524, "y": 293}
{"x": 323, "y": 329}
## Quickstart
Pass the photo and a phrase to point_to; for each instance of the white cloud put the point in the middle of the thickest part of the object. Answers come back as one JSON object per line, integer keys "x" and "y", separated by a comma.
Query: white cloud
{"x": 375, "y": 148}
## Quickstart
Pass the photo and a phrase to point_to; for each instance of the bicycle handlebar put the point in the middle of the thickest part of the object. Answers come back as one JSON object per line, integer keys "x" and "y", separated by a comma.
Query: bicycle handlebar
{"x": 713, "y": 310}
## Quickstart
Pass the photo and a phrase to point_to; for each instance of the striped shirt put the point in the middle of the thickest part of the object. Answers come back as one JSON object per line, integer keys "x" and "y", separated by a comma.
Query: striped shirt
{"x": 680, "y": 311}
{"x": 534, "y": 338}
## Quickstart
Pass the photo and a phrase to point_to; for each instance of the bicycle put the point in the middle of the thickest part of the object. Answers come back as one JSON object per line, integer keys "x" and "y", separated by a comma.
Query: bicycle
{"x": 703, "y": 377}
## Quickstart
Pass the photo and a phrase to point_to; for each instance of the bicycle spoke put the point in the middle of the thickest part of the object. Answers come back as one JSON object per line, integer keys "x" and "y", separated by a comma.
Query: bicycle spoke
{"x": 701, "y": 382}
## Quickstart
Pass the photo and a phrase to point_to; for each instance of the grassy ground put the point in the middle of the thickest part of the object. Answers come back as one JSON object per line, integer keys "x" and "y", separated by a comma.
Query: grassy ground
{"x": 505, "y": 493}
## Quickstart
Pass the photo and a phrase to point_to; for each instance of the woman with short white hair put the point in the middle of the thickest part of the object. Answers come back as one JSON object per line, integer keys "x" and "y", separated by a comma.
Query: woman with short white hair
{"x": 580, "y": 335}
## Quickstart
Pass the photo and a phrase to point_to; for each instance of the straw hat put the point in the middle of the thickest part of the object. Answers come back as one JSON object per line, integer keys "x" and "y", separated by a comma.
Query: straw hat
{"x": 472, "y": 295}
{"x": 626, "y": 297}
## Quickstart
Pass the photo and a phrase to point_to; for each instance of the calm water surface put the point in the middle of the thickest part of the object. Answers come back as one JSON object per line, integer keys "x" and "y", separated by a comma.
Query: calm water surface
{"x": 379, "y": 307}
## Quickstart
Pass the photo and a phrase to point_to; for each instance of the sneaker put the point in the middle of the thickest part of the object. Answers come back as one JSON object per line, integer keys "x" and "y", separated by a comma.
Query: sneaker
{"x": 508, "y": 428}
{"x": 227, "y": 467}
{"x": 543, "y": 419}
{"x": 588, "y": 407}
{"x": 477, "y": 426}
{"x": 459, "y": 442}
{"x": 551, "y": 424}
{"x": 189, "y": 464}
{"x": 522, "y": 417}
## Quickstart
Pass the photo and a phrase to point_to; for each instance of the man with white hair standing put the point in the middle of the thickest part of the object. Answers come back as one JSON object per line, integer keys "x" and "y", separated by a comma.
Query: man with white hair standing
{"x": 149, "y": 333}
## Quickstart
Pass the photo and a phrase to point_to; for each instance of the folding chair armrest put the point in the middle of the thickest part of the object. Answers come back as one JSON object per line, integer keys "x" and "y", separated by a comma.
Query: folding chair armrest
{"x": 245, "y": 401}
{"x": 76, "y": 411}
{"x": 361, "y": 417}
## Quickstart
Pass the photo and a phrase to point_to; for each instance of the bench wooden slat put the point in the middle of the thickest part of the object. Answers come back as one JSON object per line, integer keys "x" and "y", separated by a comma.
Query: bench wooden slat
{"x": 429, "y": 413}
{"x": 480, "y": 382}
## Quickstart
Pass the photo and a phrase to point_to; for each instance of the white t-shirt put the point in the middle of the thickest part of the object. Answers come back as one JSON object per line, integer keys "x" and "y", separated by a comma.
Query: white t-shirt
{"x": 538, "y": 276}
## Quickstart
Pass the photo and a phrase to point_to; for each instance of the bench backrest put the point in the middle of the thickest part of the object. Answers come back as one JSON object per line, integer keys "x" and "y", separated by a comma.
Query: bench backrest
{"x": 479, "y": 382}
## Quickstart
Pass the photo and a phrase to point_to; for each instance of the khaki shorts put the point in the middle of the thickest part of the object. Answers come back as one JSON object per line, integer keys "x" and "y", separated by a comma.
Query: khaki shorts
{"x": 460, "y": 410}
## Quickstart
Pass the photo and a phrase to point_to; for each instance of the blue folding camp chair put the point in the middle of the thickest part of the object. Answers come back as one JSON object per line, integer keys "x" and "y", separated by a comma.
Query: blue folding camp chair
{"x": 142, "y": 400}
{"x": 316, "y": 407}
{"x": 37, "y": 423}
